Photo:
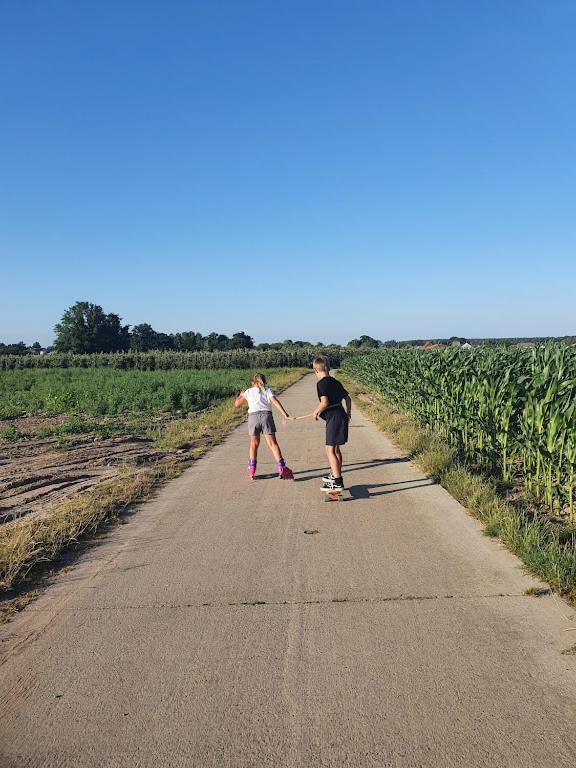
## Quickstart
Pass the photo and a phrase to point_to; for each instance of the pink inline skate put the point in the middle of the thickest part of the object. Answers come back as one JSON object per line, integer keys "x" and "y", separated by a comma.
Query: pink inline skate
{"x": 284, "y": 472}
{"x": 251, "y": 468}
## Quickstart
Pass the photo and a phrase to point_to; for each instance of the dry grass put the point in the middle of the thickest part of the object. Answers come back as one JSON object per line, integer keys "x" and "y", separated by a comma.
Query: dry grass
{"x": 9, "y": 608}
{"x": 42, "y": 539}
{"x": 435, "y": 459}
{"x": 30, "y": 543}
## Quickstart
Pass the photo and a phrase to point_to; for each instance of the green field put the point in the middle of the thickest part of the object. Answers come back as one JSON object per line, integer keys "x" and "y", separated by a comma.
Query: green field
{"x": 111, "y": 392}
{"x": 510, "y": 411}
{"x": 252, "y": 359}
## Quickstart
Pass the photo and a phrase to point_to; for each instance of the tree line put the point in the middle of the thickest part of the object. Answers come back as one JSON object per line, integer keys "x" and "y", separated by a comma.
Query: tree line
{"x": 85, "y": 329}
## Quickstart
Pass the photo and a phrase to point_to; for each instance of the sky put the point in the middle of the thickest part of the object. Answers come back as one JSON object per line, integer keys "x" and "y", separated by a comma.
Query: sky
{"x": 312, "y": 169}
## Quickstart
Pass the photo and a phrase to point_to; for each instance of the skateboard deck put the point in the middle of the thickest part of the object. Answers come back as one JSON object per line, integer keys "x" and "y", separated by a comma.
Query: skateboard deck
{"x": 335, "y": 494}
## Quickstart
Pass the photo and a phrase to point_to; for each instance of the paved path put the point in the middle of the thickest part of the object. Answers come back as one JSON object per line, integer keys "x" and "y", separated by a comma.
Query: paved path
{"x": 212, "y": 631}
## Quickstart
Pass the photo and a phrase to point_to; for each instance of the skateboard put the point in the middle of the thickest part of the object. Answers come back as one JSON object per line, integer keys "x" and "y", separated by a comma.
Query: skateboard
{"x": 335, "y": 494}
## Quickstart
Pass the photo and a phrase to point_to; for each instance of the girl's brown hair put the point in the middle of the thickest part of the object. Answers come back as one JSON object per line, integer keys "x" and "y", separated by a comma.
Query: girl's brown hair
{"x": 259, "y": 380}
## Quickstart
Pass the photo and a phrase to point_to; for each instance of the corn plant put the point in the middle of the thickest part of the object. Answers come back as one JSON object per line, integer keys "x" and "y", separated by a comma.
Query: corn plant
{"x": 168, "y": 360}
{"x": 510, "y": 411}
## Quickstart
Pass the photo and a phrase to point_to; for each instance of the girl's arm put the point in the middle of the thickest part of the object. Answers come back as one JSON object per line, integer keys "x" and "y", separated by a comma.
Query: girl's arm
{"x": 321, "y": 406}
{"x": 240, "y": 401}
{"x": 277, "y": 404}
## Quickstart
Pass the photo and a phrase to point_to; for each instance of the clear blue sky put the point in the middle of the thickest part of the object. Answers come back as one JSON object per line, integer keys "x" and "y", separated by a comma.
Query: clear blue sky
{"x": 309, "y": 169}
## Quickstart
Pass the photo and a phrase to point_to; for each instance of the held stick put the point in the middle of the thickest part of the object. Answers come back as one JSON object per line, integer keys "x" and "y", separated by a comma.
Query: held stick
{"x": 297, "y": 418}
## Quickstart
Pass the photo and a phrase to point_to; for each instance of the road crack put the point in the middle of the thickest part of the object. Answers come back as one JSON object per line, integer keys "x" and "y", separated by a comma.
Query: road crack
{"x": 316, "y": 601}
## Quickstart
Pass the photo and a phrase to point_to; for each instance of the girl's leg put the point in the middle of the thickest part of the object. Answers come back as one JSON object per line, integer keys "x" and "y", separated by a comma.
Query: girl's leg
{"x": 335, "y": 460}
{"x": 274, "y": 447}
{"x": 284, "y": 472}
{"x": 253, "y": 454}
{"x": 254, "y": 443}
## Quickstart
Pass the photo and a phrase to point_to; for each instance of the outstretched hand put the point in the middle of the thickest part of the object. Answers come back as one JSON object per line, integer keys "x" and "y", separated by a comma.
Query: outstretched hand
{"x": 298, "y": 418}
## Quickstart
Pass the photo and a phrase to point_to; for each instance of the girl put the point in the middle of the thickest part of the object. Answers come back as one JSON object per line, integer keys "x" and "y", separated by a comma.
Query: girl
{"x": 260, "y": 400}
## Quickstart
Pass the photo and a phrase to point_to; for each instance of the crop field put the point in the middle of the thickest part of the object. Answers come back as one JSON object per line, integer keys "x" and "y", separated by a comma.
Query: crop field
{"x": 511, "y": 412}
{"x": 112, "y": 392}
{"x": 300, "y": 357}
{"x": 64, "y": 430}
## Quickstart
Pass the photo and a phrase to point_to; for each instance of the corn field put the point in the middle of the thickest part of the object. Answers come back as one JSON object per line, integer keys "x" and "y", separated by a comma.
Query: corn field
{"x": 511, "y": 411}
{"x": 164, "y": 361}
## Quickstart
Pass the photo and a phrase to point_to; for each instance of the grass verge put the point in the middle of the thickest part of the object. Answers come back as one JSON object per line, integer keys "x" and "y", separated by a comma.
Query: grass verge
{"x": 29, "y": 544}
{"x": 547, "y": 551}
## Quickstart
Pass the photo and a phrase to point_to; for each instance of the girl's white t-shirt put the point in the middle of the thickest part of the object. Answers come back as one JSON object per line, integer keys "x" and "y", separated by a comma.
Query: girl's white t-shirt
{"x": 257, "y": 400}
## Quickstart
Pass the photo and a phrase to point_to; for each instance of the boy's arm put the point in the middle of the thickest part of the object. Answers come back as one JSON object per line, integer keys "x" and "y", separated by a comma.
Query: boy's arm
{"x": 277, "y": 404}
{"x": 322, "y": 405}
{"x": 348, "y": 401}
{"x": 240, "y": 400}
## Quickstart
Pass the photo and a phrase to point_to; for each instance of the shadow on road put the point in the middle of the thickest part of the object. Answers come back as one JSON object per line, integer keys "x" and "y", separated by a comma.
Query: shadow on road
{"x": 366, "y": 490}
{"x": 354, "y": 467}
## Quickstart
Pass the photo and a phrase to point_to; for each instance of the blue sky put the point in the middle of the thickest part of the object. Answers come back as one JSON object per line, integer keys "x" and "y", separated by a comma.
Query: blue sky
{"x": 311, "y": 169}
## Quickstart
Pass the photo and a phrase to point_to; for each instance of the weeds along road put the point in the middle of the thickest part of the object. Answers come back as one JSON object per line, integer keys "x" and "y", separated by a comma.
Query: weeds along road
{"x": 232, "y": 623}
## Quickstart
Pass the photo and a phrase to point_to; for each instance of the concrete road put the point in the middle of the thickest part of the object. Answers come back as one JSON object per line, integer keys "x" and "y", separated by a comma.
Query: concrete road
{"x": 212, "y": 630}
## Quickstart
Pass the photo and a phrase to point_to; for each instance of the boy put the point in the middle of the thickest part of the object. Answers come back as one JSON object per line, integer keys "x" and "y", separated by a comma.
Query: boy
{"x": 331, "y": 393}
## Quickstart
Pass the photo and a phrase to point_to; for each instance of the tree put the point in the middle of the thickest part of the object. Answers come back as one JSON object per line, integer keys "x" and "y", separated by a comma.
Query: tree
{"x": 241, "y": 340}
{"x": 215, "y": 341}
{"x": 365, "y": 341}
{"x": 188, "y": 341}
{"x": 164, "y": 341}
{"x": 14, "y": 349}
{"x": 85, "y": 328}
{"x": 143, "y": 337}
{"x": 36, "y": 346}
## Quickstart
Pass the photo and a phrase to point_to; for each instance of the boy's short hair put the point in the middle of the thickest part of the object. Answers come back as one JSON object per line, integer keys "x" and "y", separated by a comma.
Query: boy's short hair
{"x": 321, "y": 363}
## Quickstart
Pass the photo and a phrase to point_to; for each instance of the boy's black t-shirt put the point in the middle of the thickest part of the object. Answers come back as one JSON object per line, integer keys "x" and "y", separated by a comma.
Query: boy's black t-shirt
{"x": 334, "y": 391}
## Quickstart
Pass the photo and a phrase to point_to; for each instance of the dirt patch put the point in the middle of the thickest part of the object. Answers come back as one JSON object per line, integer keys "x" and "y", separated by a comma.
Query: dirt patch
{"x": 38, "y": 472}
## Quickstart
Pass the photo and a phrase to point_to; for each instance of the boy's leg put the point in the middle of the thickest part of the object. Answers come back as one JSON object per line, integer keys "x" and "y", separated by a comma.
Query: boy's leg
{"x": 334, "y": 459}
{"x": 339, "y": 455}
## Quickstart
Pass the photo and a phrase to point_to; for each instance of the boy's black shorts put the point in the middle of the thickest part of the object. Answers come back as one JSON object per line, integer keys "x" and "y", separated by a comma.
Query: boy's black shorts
{"x": 336, "y": 427}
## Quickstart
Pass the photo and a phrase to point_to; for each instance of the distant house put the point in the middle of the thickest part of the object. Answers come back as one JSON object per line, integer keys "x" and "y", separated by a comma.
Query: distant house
{"x": 466, "y": 345}
{"x": 456, "y": 343}
{"x": 525, "y": 345}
